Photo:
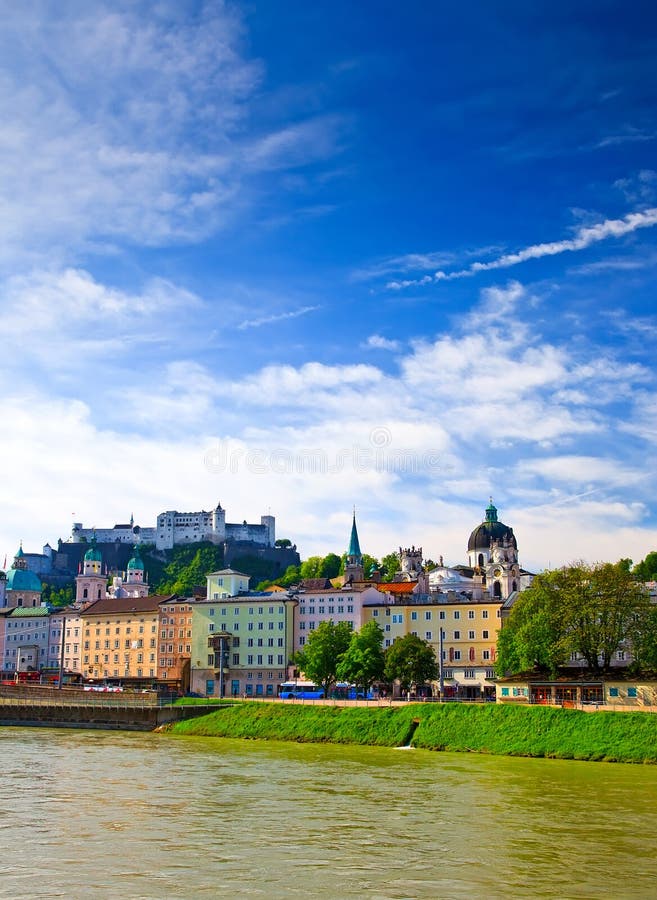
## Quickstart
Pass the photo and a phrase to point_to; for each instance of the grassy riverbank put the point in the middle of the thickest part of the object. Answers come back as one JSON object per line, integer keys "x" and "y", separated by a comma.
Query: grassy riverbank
{"x": 503, "y": 730}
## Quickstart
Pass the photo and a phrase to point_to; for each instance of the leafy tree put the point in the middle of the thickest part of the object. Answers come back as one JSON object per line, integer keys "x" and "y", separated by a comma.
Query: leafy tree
{"x": 390, "y": 564}
{"x": 368, "y": 562}
{"x": 330, "y": 567}
{"x": 643, "y": 638}
{"x": 283, "y": 542}
{"x": 590, "y": 610}
{"x": 410, "y": 660}
{"x": 646, "y": 570}
{"x": 311, "y": 567}
{"x": 55, "y": 596}
{"x": 363, "y": 662}
{"x": 322, "y": 653}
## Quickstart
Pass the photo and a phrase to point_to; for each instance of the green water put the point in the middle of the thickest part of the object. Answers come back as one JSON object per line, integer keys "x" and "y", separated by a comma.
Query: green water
{"x": 100, "y": 814}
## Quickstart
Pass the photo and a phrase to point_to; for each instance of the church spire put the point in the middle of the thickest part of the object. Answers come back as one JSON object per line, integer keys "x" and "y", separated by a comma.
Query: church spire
{"x": 354, "y": 545}
{"x": 353, "y": 570}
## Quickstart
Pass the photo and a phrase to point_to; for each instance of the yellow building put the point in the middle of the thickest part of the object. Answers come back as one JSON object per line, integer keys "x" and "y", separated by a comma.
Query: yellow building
{"x": 469, "y": 631}
{"x": 120, "y": 639}
{"x": 226, "y": 583}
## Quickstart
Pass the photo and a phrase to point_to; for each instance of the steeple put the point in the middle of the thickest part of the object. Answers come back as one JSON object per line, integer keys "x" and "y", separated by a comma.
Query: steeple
{"x": 354, "y": 546}
{"x": 353, "y": 570}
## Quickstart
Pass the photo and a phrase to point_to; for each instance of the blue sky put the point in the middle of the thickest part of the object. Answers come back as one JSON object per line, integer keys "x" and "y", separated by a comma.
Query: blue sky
{"x": 299, "y": 257}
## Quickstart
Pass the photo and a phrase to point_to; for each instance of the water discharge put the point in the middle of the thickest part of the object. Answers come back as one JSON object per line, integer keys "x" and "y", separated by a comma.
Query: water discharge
{"x": 100, "y": 814}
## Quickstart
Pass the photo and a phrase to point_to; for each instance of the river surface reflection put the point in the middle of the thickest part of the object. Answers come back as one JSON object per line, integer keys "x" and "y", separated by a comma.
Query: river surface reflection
{"x": 99, "y": 814}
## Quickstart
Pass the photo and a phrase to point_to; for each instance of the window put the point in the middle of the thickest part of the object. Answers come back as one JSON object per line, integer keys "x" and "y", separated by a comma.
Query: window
{"x": 457, "y": 614}
{"x": 427, "y": 635}
{"x": 249, "y": 660}
{"x": 621, "y": 655}
{"x": 457, "y": 654}
{"x": 211, "y": 612}
{"x": 397, "y": 618}
{"x": 469, "y": 673}
{"x": 441, "y": 614}
{"x": 427, "y": 615}
{"x": 414, "y": 615}
{"x": 236, "y": 659}
{"x": 210, "y": 659}
{"x": 631, "y": 692}
{"x": 471, "y": 614}
{"x": 484, "y": 614}
{"x": 613, "y": 692}
{"x": 485, "y": 655}
{"x": 471, "y": 635}
{"x": 484, "y": 634}
{"x": 457, "y": 635}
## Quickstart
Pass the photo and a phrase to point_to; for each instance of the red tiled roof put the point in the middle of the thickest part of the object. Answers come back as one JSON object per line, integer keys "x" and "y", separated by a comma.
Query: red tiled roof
{"x": 396, "y": 587}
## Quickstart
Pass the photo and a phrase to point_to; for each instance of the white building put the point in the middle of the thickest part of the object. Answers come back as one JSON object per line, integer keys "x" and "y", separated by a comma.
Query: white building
{"x": 173, "y": 527}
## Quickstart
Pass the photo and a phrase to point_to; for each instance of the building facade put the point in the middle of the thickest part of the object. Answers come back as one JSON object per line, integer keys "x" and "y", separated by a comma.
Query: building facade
{"x": 173, "y": 528}
{"x": 255, "y": 632}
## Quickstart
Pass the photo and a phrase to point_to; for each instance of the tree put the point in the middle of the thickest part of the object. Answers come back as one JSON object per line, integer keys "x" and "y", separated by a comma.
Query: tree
{"x": 363, "y": 662}
{"x": 322, "y": 653}
{"x": 592, "y": 611}
{"x": 646, "y": 570}
{"x": 330, "y": 567}
{"x": 311, "y": 567}
{"x": 390, "y": 564}
{"x": 410, "y": 660}
{"x": 283, "y": 542}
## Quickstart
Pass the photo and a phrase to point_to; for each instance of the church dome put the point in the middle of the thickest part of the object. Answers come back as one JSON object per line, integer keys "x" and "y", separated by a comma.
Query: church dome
{"x": 490, "y": 530}
{"x": 136, "y": 561}
{"x": 23, "y": 580}
{"x": 93, "y": 553}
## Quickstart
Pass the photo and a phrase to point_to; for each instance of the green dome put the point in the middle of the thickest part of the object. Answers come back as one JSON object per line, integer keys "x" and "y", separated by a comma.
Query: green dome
{"x": 23, "y": 580}
{"x": 136, "y": 561}
{"x": 93, "y": 553}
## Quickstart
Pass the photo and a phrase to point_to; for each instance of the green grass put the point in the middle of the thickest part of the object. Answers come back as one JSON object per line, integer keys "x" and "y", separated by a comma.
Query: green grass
{"x": 503, "y": 730}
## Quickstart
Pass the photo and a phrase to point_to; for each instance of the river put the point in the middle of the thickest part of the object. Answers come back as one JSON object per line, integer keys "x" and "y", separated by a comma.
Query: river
{"x": 127, "y": 815}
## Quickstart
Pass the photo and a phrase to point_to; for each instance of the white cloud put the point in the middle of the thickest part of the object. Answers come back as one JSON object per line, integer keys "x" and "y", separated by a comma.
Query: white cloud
{"x": 585, "y": 236}
{"x": 378, "y": 342}
{"x": 276, "y": 317}
{"x": 87, "y": 160}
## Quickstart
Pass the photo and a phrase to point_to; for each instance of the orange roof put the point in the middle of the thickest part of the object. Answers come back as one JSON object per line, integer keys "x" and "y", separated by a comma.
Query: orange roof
{"x": 396, "y": 587}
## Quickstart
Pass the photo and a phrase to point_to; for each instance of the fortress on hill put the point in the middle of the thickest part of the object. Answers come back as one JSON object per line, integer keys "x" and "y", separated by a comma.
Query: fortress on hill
{"x": 173, "y": 528}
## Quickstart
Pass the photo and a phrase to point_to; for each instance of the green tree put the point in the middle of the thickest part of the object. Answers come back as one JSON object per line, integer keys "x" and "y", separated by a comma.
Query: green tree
{"x": 311, "y": 567}
{"x": 330, "y": 567}
{"x": 643, "y": 639}
{"x": 410, "y": 661}
{"x": 368, "y": 562}
{"x": 646, "y": 570}
{"x": 322, "y": 653}
{"x": 363, "y": 662}
{"x": 282, "y": 542}
{"x": 390, "y": 565}
{"x": 589, "y": 610}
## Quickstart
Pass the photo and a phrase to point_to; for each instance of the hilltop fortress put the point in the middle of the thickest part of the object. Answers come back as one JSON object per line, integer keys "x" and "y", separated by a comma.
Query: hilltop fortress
{"x": 175, "y": 528}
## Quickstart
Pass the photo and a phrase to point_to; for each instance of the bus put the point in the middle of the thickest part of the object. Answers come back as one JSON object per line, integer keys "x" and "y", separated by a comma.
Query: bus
{"x": 300, "y": 690}
{"x": 344, "y": 691}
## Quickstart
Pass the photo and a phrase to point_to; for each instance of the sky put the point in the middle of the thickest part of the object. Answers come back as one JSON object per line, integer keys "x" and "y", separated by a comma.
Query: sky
{"x": 302, "y": 258}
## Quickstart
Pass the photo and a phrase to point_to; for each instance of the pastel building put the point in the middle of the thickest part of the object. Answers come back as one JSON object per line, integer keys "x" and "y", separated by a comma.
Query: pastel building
{"x": 120, "y": 639}
{"x": 174, "y": 652}
{"x": 469, "y": 634}
{"x": 255, "y": 633}
{"x": 26, "y": 640}
{"x": 23, "y": 587}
